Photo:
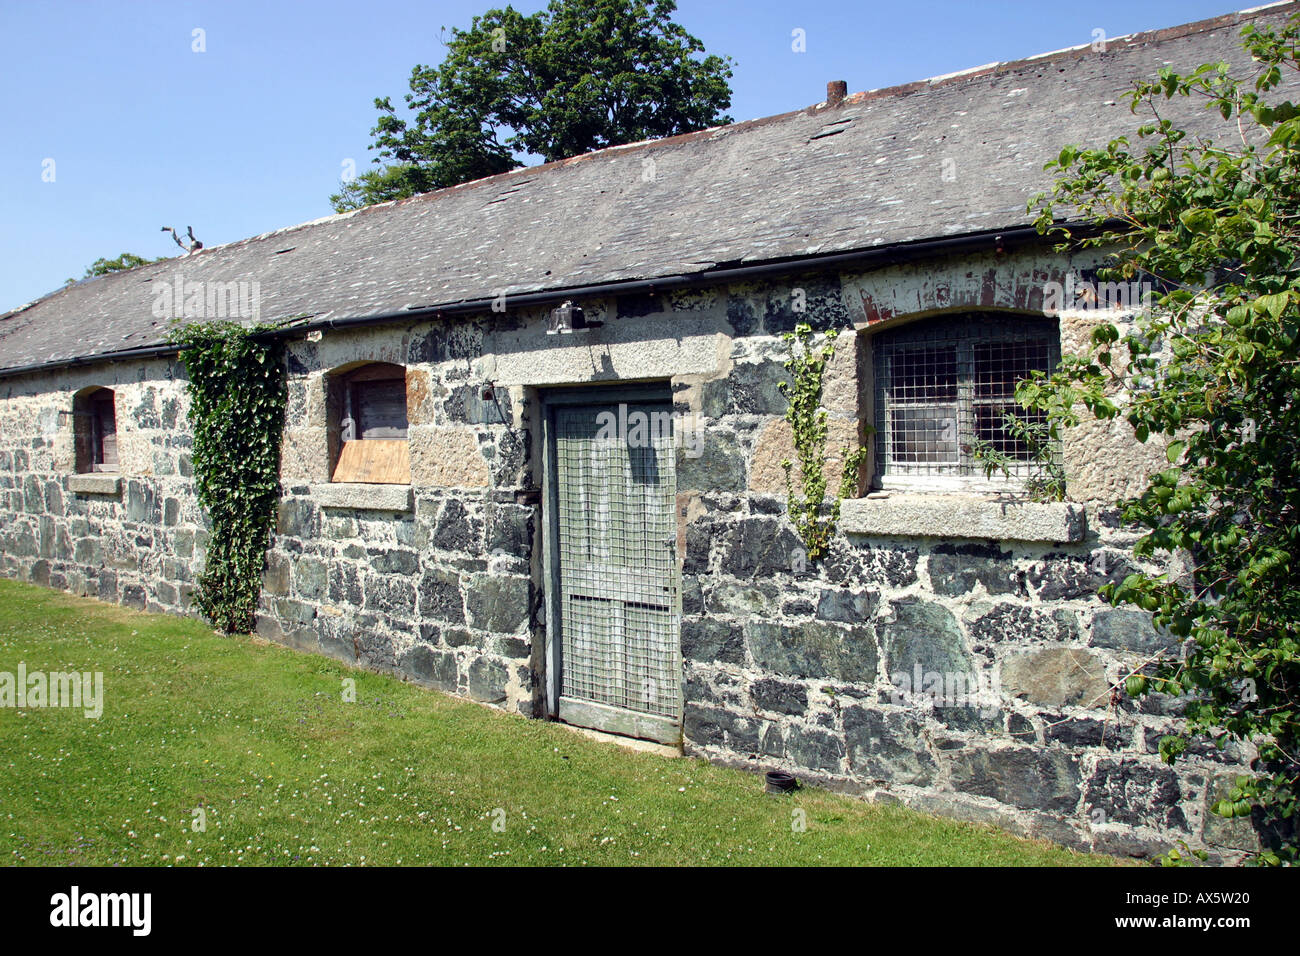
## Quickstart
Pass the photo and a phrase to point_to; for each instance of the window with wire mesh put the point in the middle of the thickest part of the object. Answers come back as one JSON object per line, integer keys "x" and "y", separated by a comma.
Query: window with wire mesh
{"x": 944, "y": 388}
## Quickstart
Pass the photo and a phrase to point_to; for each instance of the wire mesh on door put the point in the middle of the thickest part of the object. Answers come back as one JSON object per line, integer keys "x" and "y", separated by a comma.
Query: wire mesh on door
{"x": 617, "y": 565}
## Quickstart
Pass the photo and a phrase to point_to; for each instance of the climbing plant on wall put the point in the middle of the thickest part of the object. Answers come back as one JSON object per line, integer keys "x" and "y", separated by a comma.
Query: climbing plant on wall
{"x": 238, "y": 394}
{"x": 813, "y": 516}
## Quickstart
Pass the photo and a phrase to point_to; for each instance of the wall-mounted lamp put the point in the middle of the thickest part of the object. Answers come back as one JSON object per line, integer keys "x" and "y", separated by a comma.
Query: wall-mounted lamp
{"x": 568, "y": 318}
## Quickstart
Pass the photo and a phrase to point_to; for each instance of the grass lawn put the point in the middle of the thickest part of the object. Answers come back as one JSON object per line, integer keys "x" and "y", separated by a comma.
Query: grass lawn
{"x": 286, "y": 772}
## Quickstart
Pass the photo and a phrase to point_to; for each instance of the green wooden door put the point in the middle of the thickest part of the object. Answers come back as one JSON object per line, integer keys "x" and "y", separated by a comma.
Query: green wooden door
{"x": 618, "y": 587}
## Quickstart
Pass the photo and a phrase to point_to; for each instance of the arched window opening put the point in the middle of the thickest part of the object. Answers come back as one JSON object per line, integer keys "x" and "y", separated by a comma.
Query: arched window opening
{"x": 368, "y": 426}
{"x": 94, "y": 417}
{"x": 945, "y": 386}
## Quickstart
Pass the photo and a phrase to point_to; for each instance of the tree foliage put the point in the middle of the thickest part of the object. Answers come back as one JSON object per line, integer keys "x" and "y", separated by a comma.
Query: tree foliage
{"x": 1040, "y": 438}
{"x": 578, "y": 76}
{"x": 1212, "y": 369}
{"x": 102, "y": 267}
{"x": 237, "y": 400}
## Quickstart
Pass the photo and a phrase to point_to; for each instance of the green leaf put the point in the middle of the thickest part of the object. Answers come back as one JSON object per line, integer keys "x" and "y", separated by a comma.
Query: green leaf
{"x": 1198, "y": 220}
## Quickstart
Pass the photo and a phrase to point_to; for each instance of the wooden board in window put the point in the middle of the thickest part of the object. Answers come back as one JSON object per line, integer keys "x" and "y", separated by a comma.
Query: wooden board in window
{"x": 376, "y": 461}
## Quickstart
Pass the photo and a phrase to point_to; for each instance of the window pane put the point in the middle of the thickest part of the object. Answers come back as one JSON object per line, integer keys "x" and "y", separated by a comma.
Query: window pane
{"x": 990, "y": 427}
{"x": 998, "y": 368}
{"x": 1000, "y": 365}
{"x": 924, "y": 374}
{"x": 923, "y": 434}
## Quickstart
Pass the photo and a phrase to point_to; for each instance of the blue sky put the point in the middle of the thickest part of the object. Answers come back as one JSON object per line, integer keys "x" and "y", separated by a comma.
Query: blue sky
{"x": 252, "y": 134}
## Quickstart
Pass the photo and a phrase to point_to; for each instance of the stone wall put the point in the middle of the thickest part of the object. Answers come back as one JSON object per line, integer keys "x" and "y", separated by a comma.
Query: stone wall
{"x": 440, "y": 594}
{"x": 138, "y": 540}
{"x": 831, "y": 671}
{"x": 434, "y": 583}
{"x": 967, "y": 677}
{"x": 828, "y": 670}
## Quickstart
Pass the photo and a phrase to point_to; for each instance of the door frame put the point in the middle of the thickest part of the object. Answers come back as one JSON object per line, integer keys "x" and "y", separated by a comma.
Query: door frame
{"x": 639, "y": 393}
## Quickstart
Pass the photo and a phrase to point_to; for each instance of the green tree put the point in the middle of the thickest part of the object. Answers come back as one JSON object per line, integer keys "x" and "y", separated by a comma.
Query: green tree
{"x": 1212, "y": 368}
{"x": 102, "y": 267}
{"x": 578, "y": 76}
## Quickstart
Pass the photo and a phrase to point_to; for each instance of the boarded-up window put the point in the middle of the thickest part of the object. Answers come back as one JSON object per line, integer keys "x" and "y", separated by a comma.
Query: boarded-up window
{"x": 372, "y": 426}
{"x": 95, "y": 430}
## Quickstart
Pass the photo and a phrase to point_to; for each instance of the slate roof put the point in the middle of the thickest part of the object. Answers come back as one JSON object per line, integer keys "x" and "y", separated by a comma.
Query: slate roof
{"x": 865, "y": 173}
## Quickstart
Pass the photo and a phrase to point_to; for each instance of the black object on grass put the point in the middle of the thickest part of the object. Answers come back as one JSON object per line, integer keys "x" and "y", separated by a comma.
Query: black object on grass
{"x": 780, "y": 781}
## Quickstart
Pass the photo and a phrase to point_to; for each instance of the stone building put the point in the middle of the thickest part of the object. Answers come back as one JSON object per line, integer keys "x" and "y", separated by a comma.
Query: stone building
{"x": 453, "y": 513}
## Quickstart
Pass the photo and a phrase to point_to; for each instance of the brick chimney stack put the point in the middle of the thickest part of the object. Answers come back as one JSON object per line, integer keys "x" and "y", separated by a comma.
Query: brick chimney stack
{"x": 836, "y": 90}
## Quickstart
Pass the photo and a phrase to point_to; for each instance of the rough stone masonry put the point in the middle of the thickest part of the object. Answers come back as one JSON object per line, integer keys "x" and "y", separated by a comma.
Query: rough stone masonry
{"x": 950, "y": 651}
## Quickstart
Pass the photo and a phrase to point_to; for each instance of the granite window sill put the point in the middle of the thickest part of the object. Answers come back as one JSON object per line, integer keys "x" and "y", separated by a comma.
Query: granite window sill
{"x": 361, "y": 496}
{"x": 901, "y": 514}
{"x": 95, "y": 484}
